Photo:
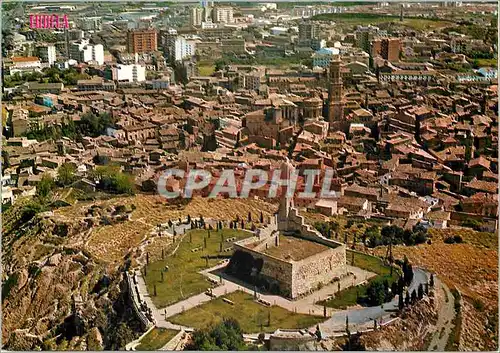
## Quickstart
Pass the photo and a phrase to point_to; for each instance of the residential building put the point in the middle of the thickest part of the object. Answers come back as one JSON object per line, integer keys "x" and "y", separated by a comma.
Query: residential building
{"x": 308, "y": 31}
{"x": 387, "y": 48}
{"x": 90, "y": 23}
{"x": 364, "y": 36}
{"x": 182, "y": 47}
{"x": 127, "y": 73}
{"x": 142, "y": 41}
{"x": 23, "y": 64}
{"x": 95, "y": 84}
{"x": 47, "y": 53}
{"x": 322, "y": 57}
{"x": 196, "y": 16}
{"x": 84, "y": 52}
{"x": 223, "y": 15}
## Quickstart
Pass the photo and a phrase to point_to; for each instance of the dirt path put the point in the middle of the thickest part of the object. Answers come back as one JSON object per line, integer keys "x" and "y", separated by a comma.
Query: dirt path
{"x": 446, "y": 315}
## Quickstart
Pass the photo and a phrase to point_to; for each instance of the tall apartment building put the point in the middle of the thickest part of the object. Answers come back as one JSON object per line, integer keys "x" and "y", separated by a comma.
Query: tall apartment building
{"x": 308, "y": 32}
{"x": 142, "y": 41}
{"x": 387, "y": 48}
{"x": 196, "y": 16}
{"x": 178, "y": 47}
{"x": 183, "y": 48}
{"x": 47, "y": 53}
{"x": 223, "y": 15}
{"x": 364, "y": 36}
{"x": 83, "y": 51}
{"x": 90, "y": 23}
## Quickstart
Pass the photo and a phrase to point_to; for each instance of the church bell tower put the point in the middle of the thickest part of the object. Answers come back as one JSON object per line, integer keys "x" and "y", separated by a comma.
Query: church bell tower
{"x": 335, "y": 101}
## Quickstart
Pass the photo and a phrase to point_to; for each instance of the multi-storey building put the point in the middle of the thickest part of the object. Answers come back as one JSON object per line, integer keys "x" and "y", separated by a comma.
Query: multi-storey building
{"x": 308, "y": 31}
{"x": 90, "y": 23}
{"x": 84, "y": 52}
{"x": 142, "y": 41}
{"x": 22, "y": 64}
{"x": 196, "y": 16}
{"x": 127, "y": 73}
{"x": 387, "y": 48}
{"x": 223, "y": 15}
{"x": 181, "y": 47}
{"x": 47, "y": 53}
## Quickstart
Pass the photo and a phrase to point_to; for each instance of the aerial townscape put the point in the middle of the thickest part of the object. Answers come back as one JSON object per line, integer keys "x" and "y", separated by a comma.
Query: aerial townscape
{"x": 249, "y": 176}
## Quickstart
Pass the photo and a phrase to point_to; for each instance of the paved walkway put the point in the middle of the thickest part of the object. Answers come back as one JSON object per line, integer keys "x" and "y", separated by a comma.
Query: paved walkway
{"x": 365, "y": 316}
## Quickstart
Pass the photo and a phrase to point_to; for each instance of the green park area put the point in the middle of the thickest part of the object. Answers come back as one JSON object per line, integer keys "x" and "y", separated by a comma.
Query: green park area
{"x": 156, "y": 339}
{"x": 416, "y": 23}
{"x": 206, "y": 69}
{"x": 196, "y": 250}
{"x": 251, "y": 316}
{"x": 350, "y": 296}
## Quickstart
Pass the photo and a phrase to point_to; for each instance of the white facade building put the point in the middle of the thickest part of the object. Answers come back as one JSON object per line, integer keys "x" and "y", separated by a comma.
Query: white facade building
{"x": 322, "y": 57}
{"x": 90, "y": 23}
{"x": 83, "y": 51}
{"x": 196, "y": 16}
{"x": 47, "y": 53}
{"x": 129, "y": 73}
{"x": 223, "y": 15}
{"x": 182, "y": 48}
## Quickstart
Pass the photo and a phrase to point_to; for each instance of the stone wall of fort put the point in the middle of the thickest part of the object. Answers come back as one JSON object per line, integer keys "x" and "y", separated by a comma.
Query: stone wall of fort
{"x": 273, "y": 269}
{"x": 321, "y": 269}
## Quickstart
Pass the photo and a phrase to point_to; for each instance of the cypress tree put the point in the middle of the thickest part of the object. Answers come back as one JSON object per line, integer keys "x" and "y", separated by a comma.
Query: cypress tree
{"x": 420, "y": 291}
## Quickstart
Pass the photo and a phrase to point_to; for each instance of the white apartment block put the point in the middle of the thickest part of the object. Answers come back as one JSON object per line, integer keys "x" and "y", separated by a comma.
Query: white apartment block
{"x": 196, "y": 16}
{"x": 84, "y": 52}
{"x": 182, "y": 48}
{"x": 223, "y": 15}
{"x": 129, "y": 73}
{"x": 47, "y": 53}
{"x": 90, "y": 23}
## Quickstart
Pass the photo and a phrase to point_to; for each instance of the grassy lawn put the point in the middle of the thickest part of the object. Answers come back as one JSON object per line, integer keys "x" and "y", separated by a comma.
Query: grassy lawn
{"x": 182, "y": 280}
{"x": 156, "y": 339}
{"x": 206, "y": 70}
{"x": 348, "y": 297}
{"x": 248, "y": 313}
{"x": 487, "y": 62}
{"x": 376, "y": 19}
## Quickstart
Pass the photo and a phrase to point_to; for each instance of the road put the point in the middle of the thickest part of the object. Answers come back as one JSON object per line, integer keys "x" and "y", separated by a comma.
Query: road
{"x": 446, "y": 314}
{"x": 363, "y": 316}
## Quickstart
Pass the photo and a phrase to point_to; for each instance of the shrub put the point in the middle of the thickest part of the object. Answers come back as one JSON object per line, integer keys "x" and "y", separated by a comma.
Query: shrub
{"x": 478, "y": 304}
{"x": 456, "y": 239}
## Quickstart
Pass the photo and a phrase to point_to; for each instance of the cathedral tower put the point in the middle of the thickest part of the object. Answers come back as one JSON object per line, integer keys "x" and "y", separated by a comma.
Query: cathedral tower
{"x": 335, "y": 101}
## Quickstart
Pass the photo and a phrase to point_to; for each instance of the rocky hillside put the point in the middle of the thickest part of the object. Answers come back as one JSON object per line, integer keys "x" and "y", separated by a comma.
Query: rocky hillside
{"x": 56, "y": 295}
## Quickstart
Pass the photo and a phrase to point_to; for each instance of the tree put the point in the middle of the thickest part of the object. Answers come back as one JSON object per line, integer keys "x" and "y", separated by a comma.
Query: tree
{"x": 401, "y": 302}
{"x": 225, "y": 336}
{"x": 413, "y": 296}
{"x": 376, "y": 293}
{"x": 66, "y": 174}
{"x": 420, "y": 291}
{"x": 407, "y": 271}
{"x": 45, "y": 186}
{"x": 407, "y": 299}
